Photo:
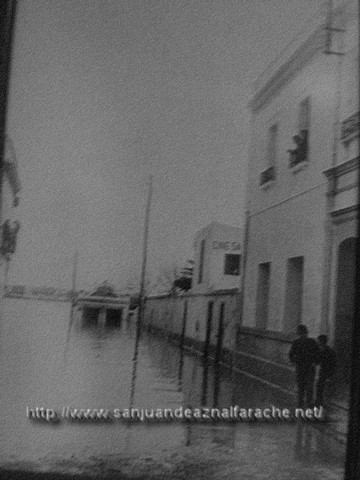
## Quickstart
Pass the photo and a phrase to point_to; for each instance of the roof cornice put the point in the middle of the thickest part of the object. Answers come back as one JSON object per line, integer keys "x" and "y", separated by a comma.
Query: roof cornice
{"x": 298, "y": 55}
{"x": 342, "y": 168}
{"x": 298, "y": 60}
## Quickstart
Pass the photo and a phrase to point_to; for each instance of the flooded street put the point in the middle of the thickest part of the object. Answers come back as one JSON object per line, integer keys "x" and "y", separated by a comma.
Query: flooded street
{"x": 44, "y": 363}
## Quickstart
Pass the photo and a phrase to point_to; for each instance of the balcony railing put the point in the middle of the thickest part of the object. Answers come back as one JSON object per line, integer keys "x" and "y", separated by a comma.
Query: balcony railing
{"x": 267, "y": 175}
{"x": 300, "y": 153}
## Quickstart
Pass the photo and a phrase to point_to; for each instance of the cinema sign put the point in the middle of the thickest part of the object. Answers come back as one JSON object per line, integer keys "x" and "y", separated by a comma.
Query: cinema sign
{"x": 218, "y": 245}
{"x": 350, "y": 128}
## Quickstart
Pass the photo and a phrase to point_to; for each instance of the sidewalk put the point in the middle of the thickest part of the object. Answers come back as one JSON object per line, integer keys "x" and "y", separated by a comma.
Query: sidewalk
{"x": 339, "y": 412}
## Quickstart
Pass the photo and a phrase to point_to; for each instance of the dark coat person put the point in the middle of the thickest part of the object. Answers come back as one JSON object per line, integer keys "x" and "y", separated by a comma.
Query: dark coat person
{"x": 304, "y": 354}
{"x": 327, "y": 366}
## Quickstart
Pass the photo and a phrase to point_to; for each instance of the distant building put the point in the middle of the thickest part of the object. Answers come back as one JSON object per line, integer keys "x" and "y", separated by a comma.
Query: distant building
{"x": 205, "y": 316}
{"x": 302, "y": 187}
{"x": 217, "y": 260}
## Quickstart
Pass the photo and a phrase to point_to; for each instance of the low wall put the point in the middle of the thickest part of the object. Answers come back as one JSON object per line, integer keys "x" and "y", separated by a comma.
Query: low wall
{"x": 258, "y": 353}
{"x": 186, "y": 319}
{"x": 261, "y": 354}
{"x": 264, "y": 354}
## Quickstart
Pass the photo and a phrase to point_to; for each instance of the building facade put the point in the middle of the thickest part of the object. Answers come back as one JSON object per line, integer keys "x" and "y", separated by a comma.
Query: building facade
{"x": 302, "y": 185}
{"x": 217, "y": 259}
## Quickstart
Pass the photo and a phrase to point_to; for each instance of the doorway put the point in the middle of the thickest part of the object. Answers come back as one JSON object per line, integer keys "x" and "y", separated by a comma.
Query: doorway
{"x": 208, "y": 328}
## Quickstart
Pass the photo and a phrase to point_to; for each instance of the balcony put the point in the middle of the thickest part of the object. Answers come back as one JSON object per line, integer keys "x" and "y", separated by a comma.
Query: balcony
{"x": 267, "y": 176}
{"x": 299, "y": 155}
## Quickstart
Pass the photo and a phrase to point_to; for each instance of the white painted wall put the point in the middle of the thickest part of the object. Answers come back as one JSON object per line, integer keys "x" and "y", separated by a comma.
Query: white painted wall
{"x": 220, "y": 240}
{"x": 288, "y": 218}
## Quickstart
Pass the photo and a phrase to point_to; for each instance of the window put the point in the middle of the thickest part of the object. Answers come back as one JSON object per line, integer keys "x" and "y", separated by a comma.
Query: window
{"x": 262, "y": 296}
{"x": 232, "y": 264}
{"x": 201, "y": 263}
{"x": 300, "y": 154}
{"x": 268, "y": 174}
{"x": 293, "y": 293}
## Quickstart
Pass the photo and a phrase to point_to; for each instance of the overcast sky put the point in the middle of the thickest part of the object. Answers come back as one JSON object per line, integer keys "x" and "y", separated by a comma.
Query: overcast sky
{"x": 106, "y": 92}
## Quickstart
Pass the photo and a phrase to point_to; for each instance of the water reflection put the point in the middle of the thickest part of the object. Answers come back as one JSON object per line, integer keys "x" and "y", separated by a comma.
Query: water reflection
{"x": 135, "y": 365}
{"x": 49, "y": 358}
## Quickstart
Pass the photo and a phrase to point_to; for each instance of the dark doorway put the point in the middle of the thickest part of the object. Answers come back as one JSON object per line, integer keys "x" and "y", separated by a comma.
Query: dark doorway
{"x": 90, "y": 316}
{"x": 182, "y": 341}
{"x": 220, "y": 334}
{"x": 294, "y": 293}
{"x": 344, "y": 309}
{"x": 208, "y": 328}
{"x": 262, "y": 296}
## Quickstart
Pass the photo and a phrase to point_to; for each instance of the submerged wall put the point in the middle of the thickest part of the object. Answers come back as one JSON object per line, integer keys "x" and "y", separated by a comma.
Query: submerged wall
{"x": 215, "y": 331}
{"x": 205, "y": 322}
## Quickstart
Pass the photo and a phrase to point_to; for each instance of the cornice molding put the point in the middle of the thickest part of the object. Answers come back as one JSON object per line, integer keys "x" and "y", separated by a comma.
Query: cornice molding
{"x": 344, "y": 215}
{"x": 281, "y": 71}
{"x": 343, "y": 168}
{"x": 297, "y": 61}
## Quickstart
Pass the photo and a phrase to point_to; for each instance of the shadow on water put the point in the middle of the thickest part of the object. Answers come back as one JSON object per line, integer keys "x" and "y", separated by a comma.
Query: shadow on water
{"x": 134, "y": 367}
{"x": 88, "y": 320}
{"x": 135, "y": 360}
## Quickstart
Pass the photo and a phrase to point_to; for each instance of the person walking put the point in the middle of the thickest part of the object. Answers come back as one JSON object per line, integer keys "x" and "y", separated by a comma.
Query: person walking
{"x": 304, "y": 353}
{"x": 327, "y": 366}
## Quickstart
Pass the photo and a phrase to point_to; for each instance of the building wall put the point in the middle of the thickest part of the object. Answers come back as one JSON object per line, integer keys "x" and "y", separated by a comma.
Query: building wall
{"x": 287, "y": 215}
{"x": 277, "y": 235}
{"x": 304, "y": 212}
{"x": 318, "y": 81}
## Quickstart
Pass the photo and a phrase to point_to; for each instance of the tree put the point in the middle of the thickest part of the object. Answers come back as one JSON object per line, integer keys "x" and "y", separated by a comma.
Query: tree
{"x": 166, "y": 279}
{"x": 184, "y": 281}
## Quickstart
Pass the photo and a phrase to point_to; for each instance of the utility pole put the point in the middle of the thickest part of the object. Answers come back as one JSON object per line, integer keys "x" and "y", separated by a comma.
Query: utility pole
{"x": 74, "y": 275}
{"x": 144, "y": 260}
{"x": 141, "y": 294}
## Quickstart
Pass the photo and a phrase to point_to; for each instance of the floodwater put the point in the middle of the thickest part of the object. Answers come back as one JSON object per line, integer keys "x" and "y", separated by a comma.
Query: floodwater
{"x": 48, "y": 362}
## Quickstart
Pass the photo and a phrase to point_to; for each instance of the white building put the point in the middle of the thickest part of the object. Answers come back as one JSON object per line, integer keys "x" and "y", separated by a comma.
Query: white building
{"x": 206, "y": 317}
{"x": 217, "y": 258}
{"x": 302, "y": 186}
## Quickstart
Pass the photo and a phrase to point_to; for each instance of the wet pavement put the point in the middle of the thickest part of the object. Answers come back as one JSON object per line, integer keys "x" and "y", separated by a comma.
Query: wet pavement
{"x": 44, "y": 363}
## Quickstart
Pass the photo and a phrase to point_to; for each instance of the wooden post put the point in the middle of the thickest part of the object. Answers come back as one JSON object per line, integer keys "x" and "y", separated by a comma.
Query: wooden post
{"x": 74, "y": 275}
